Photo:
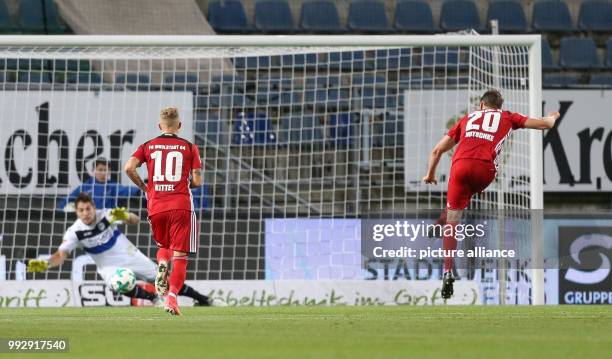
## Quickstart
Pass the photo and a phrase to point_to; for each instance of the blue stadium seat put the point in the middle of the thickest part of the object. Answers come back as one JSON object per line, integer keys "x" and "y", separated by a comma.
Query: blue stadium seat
{"x": 84, "y": 78}
{"x": 181, "y": 81}
{"x": 32, "y": 17}
{"x": 510, "y": 16}
{"x": 601, "y": 80}
{"x": 208, "y": 125}
{"x": 7, "y": 25}
{"x": 273, "y": 16}
{"x": 608, "y": 56}
{"x": 341, "y": 130}
{"x": 578, "y": 53}
{"x": 547, "y": 59}
{"x": 252, "y": 62}
{"x": 299, "y": 60}
{"x": 595, "y": 16}
{"x": 302, "y": 130}
{"x": 394, "y": 59}
{"x": 130, "y": 78}
{"x": 34, "y": 77}
{"x": 320, "y": 16}
{"x": 551, "y": 16}
{"x": 560, "y": 80}
{"x": 228, "y": 16}
{"x": 459, "y": 15}
{"x": 414, "y": 16}
{"x": 346, "y": 60}
{"x": 367, "y": 16}
{"x": 441, "y": 57}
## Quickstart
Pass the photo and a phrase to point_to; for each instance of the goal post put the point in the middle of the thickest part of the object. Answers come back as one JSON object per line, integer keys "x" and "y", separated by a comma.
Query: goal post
{"x": 300, "y": 135}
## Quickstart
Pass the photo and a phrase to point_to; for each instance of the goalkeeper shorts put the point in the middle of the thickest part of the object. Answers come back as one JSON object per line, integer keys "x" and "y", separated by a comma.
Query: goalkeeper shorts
{"x": 468, "y": 177}
{"x": 176, "y": 229}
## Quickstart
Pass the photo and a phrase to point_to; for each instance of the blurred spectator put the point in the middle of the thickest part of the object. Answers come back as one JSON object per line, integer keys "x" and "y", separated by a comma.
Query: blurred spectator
{"x": 105, "y": 192}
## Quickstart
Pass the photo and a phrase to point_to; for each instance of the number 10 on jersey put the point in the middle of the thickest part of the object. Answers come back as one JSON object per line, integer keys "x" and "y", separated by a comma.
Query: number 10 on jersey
{"x": 173, "y": 167}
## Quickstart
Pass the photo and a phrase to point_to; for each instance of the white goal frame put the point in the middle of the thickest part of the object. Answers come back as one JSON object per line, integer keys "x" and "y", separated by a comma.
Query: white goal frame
{"x": 535, "y": 83}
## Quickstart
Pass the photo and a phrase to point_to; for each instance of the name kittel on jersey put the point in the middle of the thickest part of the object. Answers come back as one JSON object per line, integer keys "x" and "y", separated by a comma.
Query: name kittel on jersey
{"x": 164, "y": 187}
{"x": 168, "y": 147}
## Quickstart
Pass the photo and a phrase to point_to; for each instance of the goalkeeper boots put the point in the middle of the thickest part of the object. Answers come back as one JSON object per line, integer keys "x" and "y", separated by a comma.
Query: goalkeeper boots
{"x": 171, "y": 305}
{"x": 161, "y": 279}
{"x": 447, "y": 285}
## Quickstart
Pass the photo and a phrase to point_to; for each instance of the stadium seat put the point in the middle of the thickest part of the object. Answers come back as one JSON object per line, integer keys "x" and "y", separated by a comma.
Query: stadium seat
{"x": 441, "y": 57}
{"x": 7, "y": 25}
{"x": 302, "y": 130}
{"x": 34, "y": 77}
{"x": 551, "y": 16}
{"x": 578, "y": 53}
{"x": 228, "y": 16}
{"x": 459, "y": 15}
{"x": 299, "y": 60}
{"x": 547, "y": 58}
{"x": 394, "y": 59}
{"x": 252, "y": 62}
{"x": 84, "y": 78}
{"x": 601, "y": 80}
{"x": 595, "y": 16}
{"x": 367, "y": 16}
{"x": 273, "y": 16}
{"x": 560, "y": 80}
{"x": 341, "y": 130}
{"x": 34, "y": 19}
{"x": 414, "y": 16}
{"x": 181, "y": 81}
{"x": 132, "y": 79}
{"x": 346, "y": 61}
{"x": 509, "y": 14}
{"x": 208, "y": 126}
{"x": 320, "y": 17}
{"x": 608, "y": 56}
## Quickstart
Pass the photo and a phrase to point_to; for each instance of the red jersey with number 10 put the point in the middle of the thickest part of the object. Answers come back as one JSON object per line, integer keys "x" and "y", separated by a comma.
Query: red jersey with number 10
{"x": 481, "y": 134}
{"x": 170, "y": 160}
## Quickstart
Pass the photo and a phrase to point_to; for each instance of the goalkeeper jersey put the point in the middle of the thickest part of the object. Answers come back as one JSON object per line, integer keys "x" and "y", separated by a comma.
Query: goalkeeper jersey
{"x": 106, "y": 244}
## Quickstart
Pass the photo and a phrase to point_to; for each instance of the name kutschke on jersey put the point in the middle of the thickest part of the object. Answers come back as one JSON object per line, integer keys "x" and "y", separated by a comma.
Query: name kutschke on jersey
{"x": 477, "y": 134}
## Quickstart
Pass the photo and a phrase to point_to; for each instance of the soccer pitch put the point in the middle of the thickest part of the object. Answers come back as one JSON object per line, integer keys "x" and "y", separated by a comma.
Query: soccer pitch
{"x": 321, "y": 332}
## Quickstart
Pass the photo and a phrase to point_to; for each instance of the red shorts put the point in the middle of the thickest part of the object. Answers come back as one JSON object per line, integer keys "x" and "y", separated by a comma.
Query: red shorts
{"x": 176, "y": 229}
{"x": 467, "y": 177}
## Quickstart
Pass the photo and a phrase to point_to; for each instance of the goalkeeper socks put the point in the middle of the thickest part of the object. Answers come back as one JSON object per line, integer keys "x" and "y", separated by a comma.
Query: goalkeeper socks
{"x": 187, "y": 291}
{"x": 164, "y": 255}
{"x": 449, "y": 243}
{"x": 141, "y": 293}
{"x": 178, "y": 274}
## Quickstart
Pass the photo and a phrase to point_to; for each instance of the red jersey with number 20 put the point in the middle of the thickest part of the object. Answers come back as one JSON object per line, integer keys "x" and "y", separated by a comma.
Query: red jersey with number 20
{"x": 169, "y": 161}
{"x": 481, "y": 134}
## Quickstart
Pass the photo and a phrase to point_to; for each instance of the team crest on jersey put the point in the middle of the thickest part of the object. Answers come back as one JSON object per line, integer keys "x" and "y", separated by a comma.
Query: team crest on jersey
{"x": 101, "y": 226}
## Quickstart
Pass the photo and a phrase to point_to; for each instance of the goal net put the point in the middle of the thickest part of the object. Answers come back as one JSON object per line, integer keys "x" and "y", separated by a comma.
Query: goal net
{"x": 301, "y": 138}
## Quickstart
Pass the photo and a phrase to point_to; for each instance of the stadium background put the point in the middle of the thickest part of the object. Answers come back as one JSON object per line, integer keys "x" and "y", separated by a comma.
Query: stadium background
{"x": 577, "y": 61}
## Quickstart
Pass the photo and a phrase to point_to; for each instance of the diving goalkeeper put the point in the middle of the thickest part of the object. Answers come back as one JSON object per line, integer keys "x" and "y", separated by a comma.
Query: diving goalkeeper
{"x": 96, "y": 232}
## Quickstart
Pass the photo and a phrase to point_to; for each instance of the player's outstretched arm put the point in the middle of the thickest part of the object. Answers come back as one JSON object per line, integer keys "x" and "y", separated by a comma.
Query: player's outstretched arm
{"x": 130, "y": 170}
{"x": 542, "y": 123}
{"x": 445, "y": 144}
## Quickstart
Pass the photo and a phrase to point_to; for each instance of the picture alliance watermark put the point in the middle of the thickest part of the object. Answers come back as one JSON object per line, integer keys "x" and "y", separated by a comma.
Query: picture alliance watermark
{"x": 421, "y": 240}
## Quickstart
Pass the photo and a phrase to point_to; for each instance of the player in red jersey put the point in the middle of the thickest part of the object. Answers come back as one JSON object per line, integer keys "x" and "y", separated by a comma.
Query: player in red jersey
{"x": 173, "y": 166}
{"x": 480, "y": 136}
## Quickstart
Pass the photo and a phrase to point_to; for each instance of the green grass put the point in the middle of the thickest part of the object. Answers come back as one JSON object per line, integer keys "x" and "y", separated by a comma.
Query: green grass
{"x": 315, "y": 332}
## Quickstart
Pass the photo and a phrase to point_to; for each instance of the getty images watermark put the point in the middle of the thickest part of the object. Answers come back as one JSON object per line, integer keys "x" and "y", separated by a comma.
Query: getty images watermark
{"x": 422, "y": 240}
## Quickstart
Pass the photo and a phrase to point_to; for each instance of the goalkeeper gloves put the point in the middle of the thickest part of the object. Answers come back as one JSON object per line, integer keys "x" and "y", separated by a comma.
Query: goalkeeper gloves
{"x": 37, "y": 265}
{"x": 119, "y": 214}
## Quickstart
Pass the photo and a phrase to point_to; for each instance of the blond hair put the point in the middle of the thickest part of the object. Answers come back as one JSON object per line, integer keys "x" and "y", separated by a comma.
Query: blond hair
{"x": 169, "y": 117}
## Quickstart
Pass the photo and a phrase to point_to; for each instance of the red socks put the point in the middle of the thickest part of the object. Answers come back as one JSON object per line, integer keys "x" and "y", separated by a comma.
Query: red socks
{"x": 178, "y": 274}
{"x": 449, "y": 243}
{"x": 164, "y": 255}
